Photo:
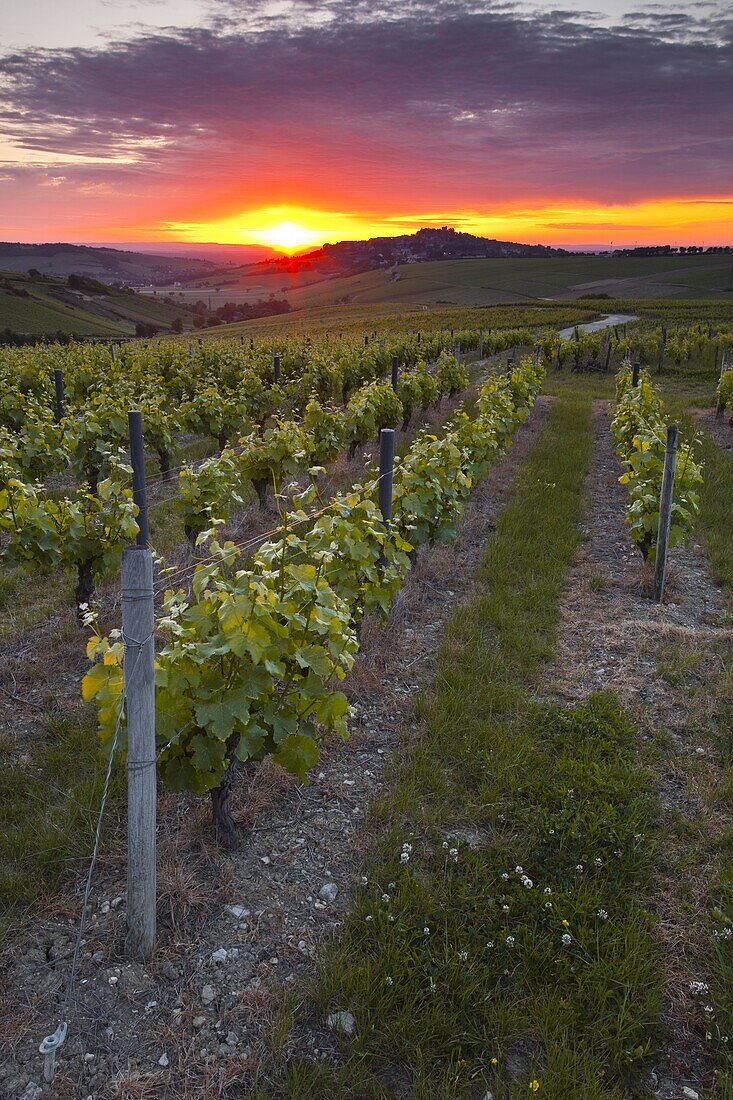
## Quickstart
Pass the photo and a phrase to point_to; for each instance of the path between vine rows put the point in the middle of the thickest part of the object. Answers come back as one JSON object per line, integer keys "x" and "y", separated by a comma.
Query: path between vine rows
{"x": 188, "y": 1025}
{"x": 663, "y": 663}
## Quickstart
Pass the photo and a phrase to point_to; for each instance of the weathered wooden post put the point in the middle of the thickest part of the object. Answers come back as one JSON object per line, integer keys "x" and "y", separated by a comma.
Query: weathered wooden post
{"x": 138, "y": 622}
{"x": 635, "y": 374}
{"x": 662, "y": 348}
{"x": 386, "y": 472}
{"x": 395, "y": 371}
{"x": 665, "y": 511}
{"x": 276, "y": 368}
{"x": 138, "y": 626}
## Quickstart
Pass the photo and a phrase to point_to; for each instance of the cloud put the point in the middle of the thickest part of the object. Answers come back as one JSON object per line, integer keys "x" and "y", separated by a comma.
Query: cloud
{"x": 455, "y": 103}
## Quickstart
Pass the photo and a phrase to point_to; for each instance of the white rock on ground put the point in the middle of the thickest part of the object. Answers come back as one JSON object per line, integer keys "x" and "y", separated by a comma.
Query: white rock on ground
{"x": 238, "y": 911}
{"x": 208, "y": 994}
{"x": 328, "y": 892}
{"x": 341, "y": 1021}
{"x": 220, "y": 956}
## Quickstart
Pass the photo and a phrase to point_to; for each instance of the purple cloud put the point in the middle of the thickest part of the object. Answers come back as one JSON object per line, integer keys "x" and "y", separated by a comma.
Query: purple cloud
{"x": 441, "y": 104}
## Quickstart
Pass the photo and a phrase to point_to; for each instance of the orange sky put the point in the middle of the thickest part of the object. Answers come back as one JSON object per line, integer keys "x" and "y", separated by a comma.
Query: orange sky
{"x": 291, "y": 124}
{"x": 293, "y": 228}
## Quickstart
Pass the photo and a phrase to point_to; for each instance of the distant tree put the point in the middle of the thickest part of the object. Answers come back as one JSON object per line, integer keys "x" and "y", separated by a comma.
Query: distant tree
{"x": 199, "y": 320}
{"x": 177, "y": 325}
{"x": 143, "y": 328}
{"x": 87, "y": 285}
{"x": 34, "y": 273}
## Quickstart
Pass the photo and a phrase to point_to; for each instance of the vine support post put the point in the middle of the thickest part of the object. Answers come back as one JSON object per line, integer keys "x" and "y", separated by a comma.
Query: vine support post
{"x": 457, "y": 352}
{"x": 58, "y": 381}
{"x": 386, "y": 472}
{"x": 665, "y": 511}
{"x": 137, "y": 460}
{"x": 138, "y": 623}
{"x": 395, "y": 370}
{"x": 481, "y": 344}
{"x": 662, "y": 348}
{"x": 276, "y": 368}
{"x": 635, "y": 374}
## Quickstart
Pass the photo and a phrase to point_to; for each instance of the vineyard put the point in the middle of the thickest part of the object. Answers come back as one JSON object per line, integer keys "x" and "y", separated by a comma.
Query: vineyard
{"x": 365, "y": 720}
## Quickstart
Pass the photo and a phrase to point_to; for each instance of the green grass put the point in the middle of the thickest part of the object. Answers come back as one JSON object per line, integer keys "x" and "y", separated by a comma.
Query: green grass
{"x": 715, "y": 530}
{"x": 497, "y": 782}
{"x": 48, "y": 808}
{"x": 48, "y": 305}
{"x": 480, "y": 282}
{"x": 715, "y": 524}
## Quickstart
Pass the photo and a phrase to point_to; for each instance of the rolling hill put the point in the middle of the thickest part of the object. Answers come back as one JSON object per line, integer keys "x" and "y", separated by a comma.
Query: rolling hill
{"x": 41, "y": 305}
{"x": 106, "y": 264}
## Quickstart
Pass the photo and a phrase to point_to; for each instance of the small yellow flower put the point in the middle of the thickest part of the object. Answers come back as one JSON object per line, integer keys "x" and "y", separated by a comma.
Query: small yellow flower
{"x": 494, "y": 1061}
{"x": 534, "y": 1085}
{"x": 566, "y": 924}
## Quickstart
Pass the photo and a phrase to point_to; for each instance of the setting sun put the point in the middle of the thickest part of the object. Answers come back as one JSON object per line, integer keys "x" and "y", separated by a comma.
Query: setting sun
{"x": 286, "y": 235}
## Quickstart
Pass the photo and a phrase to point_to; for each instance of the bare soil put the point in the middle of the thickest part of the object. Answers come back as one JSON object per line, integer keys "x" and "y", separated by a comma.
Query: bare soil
{"x": 193, "y": 1022}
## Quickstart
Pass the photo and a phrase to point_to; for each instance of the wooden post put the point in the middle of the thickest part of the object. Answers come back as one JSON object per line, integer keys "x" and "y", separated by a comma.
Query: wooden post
{"x": 58, "y": 379}
{"x": 457, "y": 352}
{"x": 276, "y": 368}
{"x": 395, "y": 370}
{"x": 137, "y": 461}
{"x": 386, "y": 472}
{"x": 138, "y": 622}
{"x": 662, "y": 348}
{"x": 635, "y": 374}
{"x": 481, "y": 344}
{"x": 665, "y": 511}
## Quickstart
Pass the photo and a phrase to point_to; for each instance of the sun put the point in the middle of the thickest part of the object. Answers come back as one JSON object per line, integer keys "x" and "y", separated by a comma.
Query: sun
{"x": 288, "y": 236}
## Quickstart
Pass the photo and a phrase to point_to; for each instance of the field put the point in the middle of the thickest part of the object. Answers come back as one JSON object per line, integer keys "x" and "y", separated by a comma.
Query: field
{"x": 48, "y": 306}
{"x": 477, "y": 282}
{"x": 514, "y": 876}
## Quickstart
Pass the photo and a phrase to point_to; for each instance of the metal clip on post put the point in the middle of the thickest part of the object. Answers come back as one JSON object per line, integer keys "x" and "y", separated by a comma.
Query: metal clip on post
{"x": 48, "y": 1049}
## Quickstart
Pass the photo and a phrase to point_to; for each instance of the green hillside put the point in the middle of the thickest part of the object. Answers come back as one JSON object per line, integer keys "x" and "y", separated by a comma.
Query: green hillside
{"x": 32, "y": 305}
{"x": 474, "y": 282}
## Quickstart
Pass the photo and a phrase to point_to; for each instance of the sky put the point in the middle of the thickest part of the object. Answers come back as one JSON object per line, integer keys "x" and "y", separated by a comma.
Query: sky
{"x": 292, "y": 122}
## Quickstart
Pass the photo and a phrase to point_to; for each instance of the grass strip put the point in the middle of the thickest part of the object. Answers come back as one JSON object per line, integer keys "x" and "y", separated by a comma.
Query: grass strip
{"x": 715, "y": 529}
{"x": 500, "y": 941}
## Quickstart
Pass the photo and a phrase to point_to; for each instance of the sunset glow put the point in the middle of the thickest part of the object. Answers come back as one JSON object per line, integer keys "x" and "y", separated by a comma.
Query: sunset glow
{"x": 511, "y": 121}
{"x": 676, "y": 221}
